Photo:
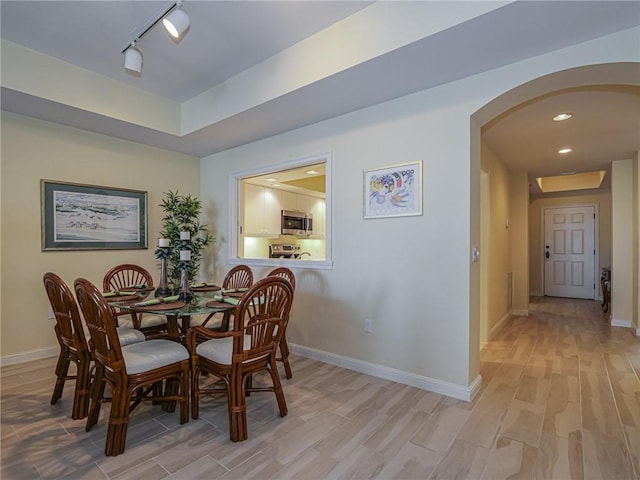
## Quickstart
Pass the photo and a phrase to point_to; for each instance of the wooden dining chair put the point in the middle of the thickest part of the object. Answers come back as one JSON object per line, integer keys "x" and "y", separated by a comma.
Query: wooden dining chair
{"x": 234, "y": 356}
{"x": 287, "y": 274}
{"x": 239, "y": 276}
{"x": 132, "y": 371}
{"x": 73, "y": 344}
{"x": 127, "y": 276}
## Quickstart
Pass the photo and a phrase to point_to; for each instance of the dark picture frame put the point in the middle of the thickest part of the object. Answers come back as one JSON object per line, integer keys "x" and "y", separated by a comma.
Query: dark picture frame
{"x": 91, "y": 217}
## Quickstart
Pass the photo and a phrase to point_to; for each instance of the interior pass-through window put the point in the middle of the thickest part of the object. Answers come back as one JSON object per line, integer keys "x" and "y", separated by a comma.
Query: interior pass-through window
{"x": 282, "y": 213}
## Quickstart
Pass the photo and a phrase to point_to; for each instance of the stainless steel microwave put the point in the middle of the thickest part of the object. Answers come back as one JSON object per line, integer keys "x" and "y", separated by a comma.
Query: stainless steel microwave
{"x": 296, "y": 223}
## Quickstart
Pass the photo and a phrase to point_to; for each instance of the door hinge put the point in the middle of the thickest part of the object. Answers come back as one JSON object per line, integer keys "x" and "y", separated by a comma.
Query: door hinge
{"x": 594, "y": 251}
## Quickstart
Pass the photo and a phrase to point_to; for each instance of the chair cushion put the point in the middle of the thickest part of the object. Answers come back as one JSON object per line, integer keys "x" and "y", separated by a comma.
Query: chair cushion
{"x": 219, "y": 350}
{"x": 128, "y": 336}
{"x": 148, "y": 320}
{"x": 144, "y": 356}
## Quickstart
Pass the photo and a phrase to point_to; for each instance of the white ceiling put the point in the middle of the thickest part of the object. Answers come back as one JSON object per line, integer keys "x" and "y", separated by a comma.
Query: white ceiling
{"x": 229, "y": 37}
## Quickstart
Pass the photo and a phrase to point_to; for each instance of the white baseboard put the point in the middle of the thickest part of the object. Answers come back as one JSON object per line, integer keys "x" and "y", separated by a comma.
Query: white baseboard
{"x": 620, "y": 323}
{"x": 29, "y": 356}
{"x": 520, "y": 313}
{"x": 433, "y": 385}
{"x": 498, "y": 326}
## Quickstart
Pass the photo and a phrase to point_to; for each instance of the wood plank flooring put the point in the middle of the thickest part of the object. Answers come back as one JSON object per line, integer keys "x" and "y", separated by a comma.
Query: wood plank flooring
{"x": 560, "y": 399}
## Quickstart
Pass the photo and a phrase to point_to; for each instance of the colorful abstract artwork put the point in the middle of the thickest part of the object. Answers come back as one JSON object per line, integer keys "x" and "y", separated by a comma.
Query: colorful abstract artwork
{"x": 393, "y": 191}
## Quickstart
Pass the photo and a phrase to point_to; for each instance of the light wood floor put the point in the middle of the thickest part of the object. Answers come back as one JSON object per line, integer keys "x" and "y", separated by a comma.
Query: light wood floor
{"x": 560, "y": 399}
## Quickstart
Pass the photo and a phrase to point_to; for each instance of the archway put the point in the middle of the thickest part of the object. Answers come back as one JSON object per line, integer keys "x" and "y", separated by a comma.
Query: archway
{"x": 600, "y": 75}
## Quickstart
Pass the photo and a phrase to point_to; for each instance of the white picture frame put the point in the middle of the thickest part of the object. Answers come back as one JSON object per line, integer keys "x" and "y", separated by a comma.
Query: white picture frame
{"x": 393, "y": 191}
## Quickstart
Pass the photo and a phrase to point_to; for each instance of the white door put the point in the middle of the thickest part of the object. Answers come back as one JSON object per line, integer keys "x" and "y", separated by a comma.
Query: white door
{"x": 569, "y": 252}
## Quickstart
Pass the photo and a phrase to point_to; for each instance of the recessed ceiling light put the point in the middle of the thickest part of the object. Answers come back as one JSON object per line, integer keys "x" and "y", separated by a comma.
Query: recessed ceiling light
{"x": 271, "y": 180}
{"x": 311, "y": 172}
{"x": 276, "y": 185}
{"x": 562, "y": 116}
{"x": 565, "y": 150}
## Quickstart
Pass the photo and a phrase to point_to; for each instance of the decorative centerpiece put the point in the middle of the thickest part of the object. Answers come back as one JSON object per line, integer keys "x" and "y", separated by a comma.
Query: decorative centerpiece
{"x": 182, "y": 228}
{"x": 184, "y": 264}
{"x": 162, "y": 253}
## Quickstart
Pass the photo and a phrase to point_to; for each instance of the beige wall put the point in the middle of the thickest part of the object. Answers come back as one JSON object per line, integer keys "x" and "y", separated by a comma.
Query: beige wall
{"x": 499, "y": 251}
{"x": 636, "y": 243}
{"x": 519, "y": 226}
{"x": 536, "y": 232}
{"x": 622, "y": 267}
{"x": 33, "y": 150}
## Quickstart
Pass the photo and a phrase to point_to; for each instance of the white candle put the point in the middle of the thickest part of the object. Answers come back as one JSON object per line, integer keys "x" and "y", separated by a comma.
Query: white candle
{"x": 163, "y": 242}
{"x": 185, "y": 255}
{"x": 185, "y": 236}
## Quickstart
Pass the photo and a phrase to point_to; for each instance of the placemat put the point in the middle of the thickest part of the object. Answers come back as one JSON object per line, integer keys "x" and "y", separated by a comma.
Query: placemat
{"x": 122, "y": 298}
{"x": 205, "y": 288}
{"x": 164, "y": 306}
{"x": 214, "y": 304}
{"x": 137, "y": 289}
{"x": 235, "y": 294}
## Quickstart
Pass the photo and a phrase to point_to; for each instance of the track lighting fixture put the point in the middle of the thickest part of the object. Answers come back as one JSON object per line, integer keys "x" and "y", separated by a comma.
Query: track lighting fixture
{"x": 133, "y": 59}
{"x": 175, "y": 21}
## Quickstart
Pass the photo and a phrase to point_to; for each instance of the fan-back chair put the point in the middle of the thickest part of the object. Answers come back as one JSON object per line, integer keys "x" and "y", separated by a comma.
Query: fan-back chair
{"x": 287, "y": 274}
{"x": 127, "y": 276}
{"x": 239, "y": 276}
{"x": 234, "y": 356}
{"x": 132, "y": 371}
{"x": 73, "y": 344}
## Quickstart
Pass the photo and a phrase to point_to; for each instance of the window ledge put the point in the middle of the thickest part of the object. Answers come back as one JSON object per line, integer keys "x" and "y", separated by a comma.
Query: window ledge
{"x": 283, "y": 262}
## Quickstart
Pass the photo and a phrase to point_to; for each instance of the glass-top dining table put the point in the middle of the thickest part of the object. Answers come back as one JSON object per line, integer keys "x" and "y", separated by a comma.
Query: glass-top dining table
{"x": 179, "y": 313}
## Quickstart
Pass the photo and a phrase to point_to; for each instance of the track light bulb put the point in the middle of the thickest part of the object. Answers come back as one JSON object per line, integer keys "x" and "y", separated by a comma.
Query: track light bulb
{"x": 176, "y": 23}
{"x": 133, "y": 59}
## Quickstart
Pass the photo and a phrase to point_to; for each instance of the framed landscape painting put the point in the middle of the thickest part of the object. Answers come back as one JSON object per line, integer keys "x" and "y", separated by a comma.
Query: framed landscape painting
{"x": 393, "y": 191}
{"x": 90, "y": 217}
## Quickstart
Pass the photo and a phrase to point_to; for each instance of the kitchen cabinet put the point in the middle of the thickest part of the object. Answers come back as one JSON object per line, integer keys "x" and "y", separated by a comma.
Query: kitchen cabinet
{"x": 289, "y": 201}
{"x": 315, "y": 206}
{"x": 261, "y": 211}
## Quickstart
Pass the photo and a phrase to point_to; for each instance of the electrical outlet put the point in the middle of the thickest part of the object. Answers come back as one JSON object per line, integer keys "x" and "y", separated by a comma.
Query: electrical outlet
{"x": 368, "y": 325}
{"x": 50, "y": 314}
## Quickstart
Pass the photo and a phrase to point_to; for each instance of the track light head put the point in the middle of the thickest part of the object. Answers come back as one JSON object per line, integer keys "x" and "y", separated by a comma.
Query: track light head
{"x": 133, "y": 59}
{"x": 176, "y": 23}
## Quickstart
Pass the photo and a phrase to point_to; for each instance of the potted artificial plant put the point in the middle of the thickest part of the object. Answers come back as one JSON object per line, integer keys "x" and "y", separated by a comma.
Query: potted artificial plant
{"x": 182, "y": 214}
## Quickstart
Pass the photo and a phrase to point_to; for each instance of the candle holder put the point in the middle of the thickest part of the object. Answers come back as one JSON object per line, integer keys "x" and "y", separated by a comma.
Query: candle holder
{"x": 163, "y": 253}
{"x": 183, "y": 291}
{"x": 163, "y": 289}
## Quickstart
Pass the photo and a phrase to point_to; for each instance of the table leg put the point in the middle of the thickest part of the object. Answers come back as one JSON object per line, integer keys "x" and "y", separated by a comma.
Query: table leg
{"x": 173, "y": 331}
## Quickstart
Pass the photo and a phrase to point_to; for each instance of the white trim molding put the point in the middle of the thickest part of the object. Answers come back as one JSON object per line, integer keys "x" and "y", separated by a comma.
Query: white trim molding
{"x": 425, "y": 383}
{"x": 620, "y": 323}
{"x": 29, "y": 356}
{"x": 499, "y": 326}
